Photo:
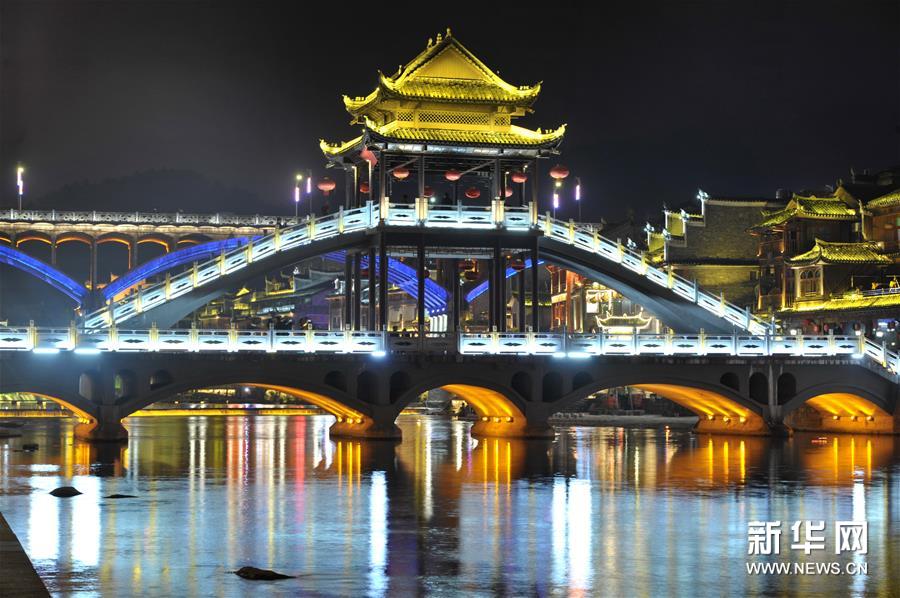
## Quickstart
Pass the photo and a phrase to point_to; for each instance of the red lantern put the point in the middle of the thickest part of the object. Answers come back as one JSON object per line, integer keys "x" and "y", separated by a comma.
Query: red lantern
{"x": 470, "y": 275}
{"x": 559, "y": 172}
{"x": 508, "y": 192}
{"x": 519, "y": 177}
{"x": 326, "y": 185}
{"x": 452, "y": 175}
{"x": 400, "y": 173}
{"x": 428, "y": 191}
{"x": 473, "y": 193}
{"x": 369, "y": 156}
{"x": 364, "y": 187}
{"x": 517, "y": 264}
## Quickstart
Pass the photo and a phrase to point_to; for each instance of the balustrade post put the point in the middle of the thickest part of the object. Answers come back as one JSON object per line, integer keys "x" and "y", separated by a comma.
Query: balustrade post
{"x": 832, "y": 349}
{"x": 861, "y": 342}
{"x": 73, "y": 334}
{"x": 232, "y": 339}
{"x": 701, "y": 338}
{"x": 340, "y": 225}
{"x": 533, "y": 214}
{"x": 154, "y": 337}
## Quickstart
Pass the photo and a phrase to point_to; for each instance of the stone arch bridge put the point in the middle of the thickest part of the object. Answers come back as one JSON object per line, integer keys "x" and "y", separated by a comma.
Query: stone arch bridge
{"x": 513, "y": 396}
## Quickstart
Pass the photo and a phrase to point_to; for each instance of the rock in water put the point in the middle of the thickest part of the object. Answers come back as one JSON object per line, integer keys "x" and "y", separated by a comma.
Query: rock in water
{"x": 65, "y": 492}
{"x": 263, "y": 574}
{"x": 121, "y": 496}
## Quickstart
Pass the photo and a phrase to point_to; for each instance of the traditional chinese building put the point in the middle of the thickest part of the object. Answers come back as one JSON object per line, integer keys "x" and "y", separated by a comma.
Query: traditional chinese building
{"x": 830, "y": 261}
{"x": 445, "y": 121}
{"x": 711, "y": 244}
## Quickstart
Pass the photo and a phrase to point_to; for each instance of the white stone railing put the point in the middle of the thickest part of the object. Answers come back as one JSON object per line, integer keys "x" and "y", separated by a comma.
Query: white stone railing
{"x": 146, "y": 218}
{"x": 421, "y": 214}
{"x": 378, "y": 344}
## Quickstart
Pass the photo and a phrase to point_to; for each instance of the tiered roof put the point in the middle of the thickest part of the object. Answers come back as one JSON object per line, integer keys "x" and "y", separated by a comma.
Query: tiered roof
{"x": 445, "y": 96}
{"x": 855, "y": 301}
{"x": 865, "y": 252}
{"x": 891, "y": 200}
{"x": 811, "y": 207}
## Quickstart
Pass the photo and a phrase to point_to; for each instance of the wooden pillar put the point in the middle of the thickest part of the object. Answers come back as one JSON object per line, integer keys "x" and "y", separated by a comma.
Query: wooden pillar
{"x": 383, "y": 313}
{"x": 93, "y": 274}
{"x": 382, "y": 179}
{"x": 534, "y": 184}
{"x": 492, "y": 289}
{"x": 348, "y": 189}
{"x": 357, "y": 292}
{"x": 520, "y": 279}
{"x": 454, "y": 295}
{"x": 495, "y": 183}
{"x": 421, "y": 176}
{"x": 535, "y": 292}
{"x": 348, "y": 288}
{"x": 501, "y": 288}
{"x": 420, "y": 279}
{"x": 372, "y": 295}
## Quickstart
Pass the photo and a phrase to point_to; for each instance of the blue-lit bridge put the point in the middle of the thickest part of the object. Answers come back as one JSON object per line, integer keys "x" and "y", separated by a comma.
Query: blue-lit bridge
{"x": 736, "y": 371}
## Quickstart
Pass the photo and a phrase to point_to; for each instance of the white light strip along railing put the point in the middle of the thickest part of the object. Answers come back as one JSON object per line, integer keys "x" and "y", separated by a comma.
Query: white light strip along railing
{"x": 152, "y": 218}
{"x": 54, "y": 340}
{"x": 419, "y": 214}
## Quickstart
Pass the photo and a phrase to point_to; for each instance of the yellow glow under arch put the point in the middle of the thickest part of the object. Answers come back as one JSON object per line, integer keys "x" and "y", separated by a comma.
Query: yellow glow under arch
{"x": 336, "y": 408}
{"x": 83, "y": 416}
{"x": 845, "y": 404}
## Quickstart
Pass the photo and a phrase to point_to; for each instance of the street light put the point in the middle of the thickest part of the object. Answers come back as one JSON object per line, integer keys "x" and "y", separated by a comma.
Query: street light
{"x": 297, "y": 196}
{"x": 578, "y": 196}
{"x": 20, "y": 183}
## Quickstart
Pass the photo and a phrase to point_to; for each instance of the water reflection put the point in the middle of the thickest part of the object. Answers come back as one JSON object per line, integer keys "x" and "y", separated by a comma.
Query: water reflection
{"x": 608, "y": 511}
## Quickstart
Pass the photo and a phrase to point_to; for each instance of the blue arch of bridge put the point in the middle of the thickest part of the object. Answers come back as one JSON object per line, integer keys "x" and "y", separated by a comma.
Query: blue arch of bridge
{"x": 58, "y": 280}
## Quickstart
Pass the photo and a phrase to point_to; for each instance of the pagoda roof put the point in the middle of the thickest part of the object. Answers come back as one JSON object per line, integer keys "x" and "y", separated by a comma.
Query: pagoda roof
{"x": 811, "y": 207}
{"x": 824, "y": 252}
{"x": 514, "y": 136}
{"x": 891, "y": 200}
{"x": 446, "y": 71}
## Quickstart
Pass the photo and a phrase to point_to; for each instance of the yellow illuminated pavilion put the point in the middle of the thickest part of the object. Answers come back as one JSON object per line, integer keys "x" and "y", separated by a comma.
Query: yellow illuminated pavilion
{"x": 443, "y": 110}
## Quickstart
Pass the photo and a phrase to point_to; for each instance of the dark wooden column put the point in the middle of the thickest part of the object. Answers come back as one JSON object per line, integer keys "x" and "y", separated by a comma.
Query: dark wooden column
{"x": 421, "y": 176}
{"x": 383, "y": 313}
{"x": 501, "y": 288}
{"x": 520, "y": 279}
{"x": 454, "y": 296}
{"x": 534, "y": 183}
{"x": 382, "y": 179}
{"x": 535, "y": 292}
{"x": 420, "y": 279}
{"x": 348, "y": 188}
{"x": 357, "y": 292}
{"x": 372, "y": 294}
{"x": 492, "y": 290}
{"x": 348, "y": 289}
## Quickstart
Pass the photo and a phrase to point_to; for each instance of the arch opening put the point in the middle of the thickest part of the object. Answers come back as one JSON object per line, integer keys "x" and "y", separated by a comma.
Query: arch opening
{"x": 840, "y": 412}
{"x": 717, "y": 413}
{"x": 496, "y": 414}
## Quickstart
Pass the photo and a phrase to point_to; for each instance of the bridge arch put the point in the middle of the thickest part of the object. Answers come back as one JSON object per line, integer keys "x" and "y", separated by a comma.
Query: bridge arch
{"x": 162, "y": 240}
{"x": 833, "y": 407}
{"x": 33, "y": 235}
{"x": 500, "y": 410}
{"x": 719, "y": 407}
{"x": 354, "y": 417}
{"x": 74, "y": 237}
{"x": 42, "y": 271}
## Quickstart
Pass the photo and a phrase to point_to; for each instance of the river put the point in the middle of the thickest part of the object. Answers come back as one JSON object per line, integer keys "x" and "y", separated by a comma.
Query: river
{"x": 607, "y": 511}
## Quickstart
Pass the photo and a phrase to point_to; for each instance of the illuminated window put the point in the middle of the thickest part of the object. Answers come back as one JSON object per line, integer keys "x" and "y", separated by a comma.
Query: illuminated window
{"x": 810, "y": 282}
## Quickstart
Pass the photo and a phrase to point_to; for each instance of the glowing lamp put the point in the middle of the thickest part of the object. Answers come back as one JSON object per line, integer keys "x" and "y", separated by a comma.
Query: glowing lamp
{"x": 509, "y": 420}
{"x": 400, "y": 173}
{"x": 555, "y": 201}
{"x": 473, "y": 193}
{"x": 508, "y": 192}
{"x": 453, "y": 175}
{"x": 835, "y": 417}
{"x": 519, "y": 177}
{"x": 364, "y": 187}
{"x": 326, "y": 185}
{"x": 428, "y": 191}
{"x": 559, "y": 172}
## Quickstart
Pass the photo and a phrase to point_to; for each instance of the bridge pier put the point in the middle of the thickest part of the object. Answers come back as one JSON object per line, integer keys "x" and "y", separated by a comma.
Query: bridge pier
{"x": 380, "y": 425}
{"x": 106, "y": 427}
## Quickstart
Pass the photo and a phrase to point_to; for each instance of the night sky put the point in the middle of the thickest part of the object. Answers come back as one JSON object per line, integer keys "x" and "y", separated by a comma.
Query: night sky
{"x": 660, "y": 99}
